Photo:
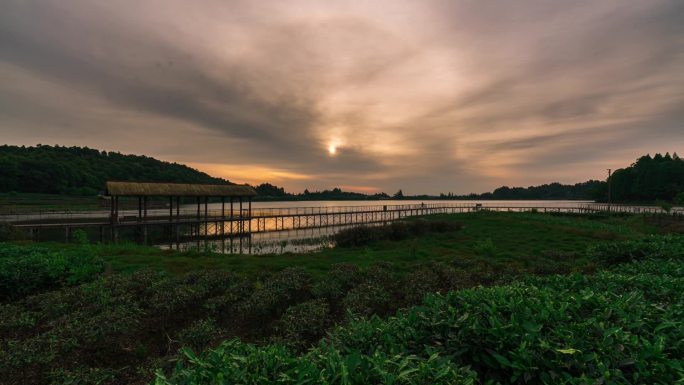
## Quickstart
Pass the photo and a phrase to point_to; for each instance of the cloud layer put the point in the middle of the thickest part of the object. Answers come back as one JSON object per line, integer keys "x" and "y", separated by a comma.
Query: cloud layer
{"x": 429, "y": 96}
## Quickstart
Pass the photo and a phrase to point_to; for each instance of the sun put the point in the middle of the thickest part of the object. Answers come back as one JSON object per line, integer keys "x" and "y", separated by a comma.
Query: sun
{"x": 332, "y": 149}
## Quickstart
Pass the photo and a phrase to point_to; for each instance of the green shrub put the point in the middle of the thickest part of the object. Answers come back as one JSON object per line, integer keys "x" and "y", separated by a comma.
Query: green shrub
{"x": 224, "y": 306}
{"x": 337, "y": 282}
{"x": 621, "y": 326}
{"x": 485, "y": 248}
{"x": 26, "y": 270}
{"x": 432, "y": 278}
{"x": 367, "y": 299}
{"x": 238, "y": 363}
{"x": 609, "y": 328}
{"x": 658, "y": 247}
{"x": 199, "y": 334}
{"x": 304, "y": 323}
{"x": 80, "y": 237}
{"x": 112, "y": 326}
{"x": 395, "y": 231}
{"x": 270, "y": 299}
{"x": 356, "y": 236}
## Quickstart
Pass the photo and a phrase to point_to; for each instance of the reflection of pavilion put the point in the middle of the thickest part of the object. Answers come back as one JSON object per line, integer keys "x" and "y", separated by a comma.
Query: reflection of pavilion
{"x": 202, "y": 192}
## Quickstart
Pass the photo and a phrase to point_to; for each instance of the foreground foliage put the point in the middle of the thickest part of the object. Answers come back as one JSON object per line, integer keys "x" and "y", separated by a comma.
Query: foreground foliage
{"x": 29, "y": 270}
{"x": 113, "y": 328}
{"x": 620, "y": 326}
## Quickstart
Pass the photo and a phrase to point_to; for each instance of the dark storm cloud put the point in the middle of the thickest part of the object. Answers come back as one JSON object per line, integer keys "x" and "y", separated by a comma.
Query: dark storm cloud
{"x": 425, "y": 96}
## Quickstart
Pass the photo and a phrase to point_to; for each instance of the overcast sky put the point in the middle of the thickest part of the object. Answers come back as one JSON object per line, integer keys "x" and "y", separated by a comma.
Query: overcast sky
{"x": 426, "y": 96}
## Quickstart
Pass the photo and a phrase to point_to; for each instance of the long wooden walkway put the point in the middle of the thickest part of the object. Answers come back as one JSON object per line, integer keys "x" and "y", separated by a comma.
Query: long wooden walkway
{"x": 191, "y": 223}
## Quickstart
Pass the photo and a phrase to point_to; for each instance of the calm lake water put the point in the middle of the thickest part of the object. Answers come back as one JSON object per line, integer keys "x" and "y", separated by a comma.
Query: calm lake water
{"x": 486, "y": 203}
{"x": 311, "y": 240}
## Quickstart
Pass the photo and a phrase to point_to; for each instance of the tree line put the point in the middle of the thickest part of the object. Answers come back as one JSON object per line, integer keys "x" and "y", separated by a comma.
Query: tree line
{"x": 660, "y": 177}
{"x": 84, "y": 171}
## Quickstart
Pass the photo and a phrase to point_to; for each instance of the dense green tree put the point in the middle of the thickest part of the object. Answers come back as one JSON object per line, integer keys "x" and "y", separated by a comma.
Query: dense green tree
{"x": 84, "y": 171}
{"x": 660, "y": 177}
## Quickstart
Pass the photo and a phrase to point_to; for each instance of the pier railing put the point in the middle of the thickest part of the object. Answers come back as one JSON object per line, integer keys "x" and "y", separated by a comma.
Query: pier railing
{"x": 189, "y": 213}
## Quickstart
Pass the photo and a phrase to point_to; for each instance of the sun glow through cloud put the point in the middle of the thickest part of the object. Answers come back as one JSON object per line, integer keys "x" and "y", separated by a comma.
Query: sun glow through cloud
{"x": 424, "y": 96}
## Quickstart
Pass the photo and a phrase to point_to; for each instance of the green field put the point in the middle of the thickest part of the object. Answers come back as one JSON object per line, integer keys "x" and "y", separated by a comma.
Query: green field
{"x": 114, "y": 314}
{"x": 511, "y": 241}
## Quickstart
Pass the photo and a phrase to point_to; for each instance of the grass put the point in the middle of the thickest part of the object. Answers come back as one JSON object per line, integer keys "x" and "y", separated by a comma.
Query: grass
{"x": 518, "y": 239}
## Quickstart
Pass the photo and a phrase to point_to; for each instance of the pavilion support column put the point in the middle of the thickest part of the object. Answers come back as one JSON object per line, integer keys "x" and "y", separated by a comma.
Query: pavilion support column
{"x": 178, "y": 223}
{"x": 241, "y": 226}
{"x": 197, "y": 234}
{"x": 223, "y": 224}
{"x": 206, "y": 220}
{"x": 249, "y": 225}
{"x": 111, "y": 216}
{"x": 170, "y": 222}
{"x": 231, "y": 225}
{"x": 138, "y": 234}
{"x": 144, "y": 220}
{"x": 115, "y": 229}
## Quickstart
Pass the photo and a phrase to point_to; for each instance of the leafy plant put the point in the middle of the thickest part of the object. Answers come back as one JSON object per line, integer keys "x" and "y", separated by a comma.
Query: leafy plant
{"x": 304, "y": 323}
{"x": 237, "y": 362}
{"x": 485, "y": 248}
{"x": 198, "y": 335}
{"x": 29, "y": 270}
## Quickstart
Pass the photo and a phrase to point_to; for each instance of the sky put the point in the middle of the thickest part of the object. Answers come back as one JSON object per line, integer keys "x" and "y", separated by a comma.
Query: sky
{"x": 424, "y": 96}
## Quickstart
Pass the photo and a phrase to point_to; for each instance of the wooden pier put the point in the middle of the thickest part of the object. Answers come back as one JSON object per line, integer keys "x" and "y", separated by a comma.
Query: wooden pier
{"x": 236, "y": 219}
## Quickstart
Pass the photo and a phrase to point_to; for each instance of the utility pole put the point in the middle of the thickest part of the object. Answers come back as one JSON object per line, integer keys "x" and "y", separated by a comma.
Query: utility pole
{"x": 610, "y": 200}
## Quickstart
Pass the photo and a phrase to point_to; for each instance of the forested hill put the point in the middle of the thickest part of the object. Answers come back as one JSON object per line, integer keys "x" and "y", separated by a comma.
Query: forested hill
{"x": 84, "y": 171}
{"x": 650, "y": 178}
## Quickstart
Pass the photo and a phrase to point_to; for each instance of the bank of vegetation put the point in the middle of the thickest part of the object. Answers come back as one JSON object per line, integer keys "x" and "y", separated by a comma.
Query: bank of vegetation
{"x": 98, "y": 314}
{"x": 72, "y": 172}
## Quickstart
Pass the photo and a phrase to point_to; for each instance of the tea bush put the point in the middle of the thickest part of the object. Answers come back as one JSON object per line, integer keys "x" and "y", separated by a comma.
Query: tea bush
{"x": 624, "y": 325}
{"x": 238, "y": 363}
{"x": 612, "y": 328}
{"x": 395, "y": 231}
{"x": 28, "y": 270}
{"x": 271, "y": 298}
{"x": 668, "y": 246}
{"x": 336, "y": 283}
{"x": 116, "y": 328}
{"x": 356, "y": 236}
{"x": 305, "y": 323}
{"x": 198, "y": 335}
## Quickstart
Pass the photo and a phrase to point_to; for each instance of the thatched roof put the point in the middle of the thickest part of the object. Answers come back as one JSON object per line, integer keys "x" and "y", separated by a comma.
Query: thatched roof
{"x": 178, "y": 189}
